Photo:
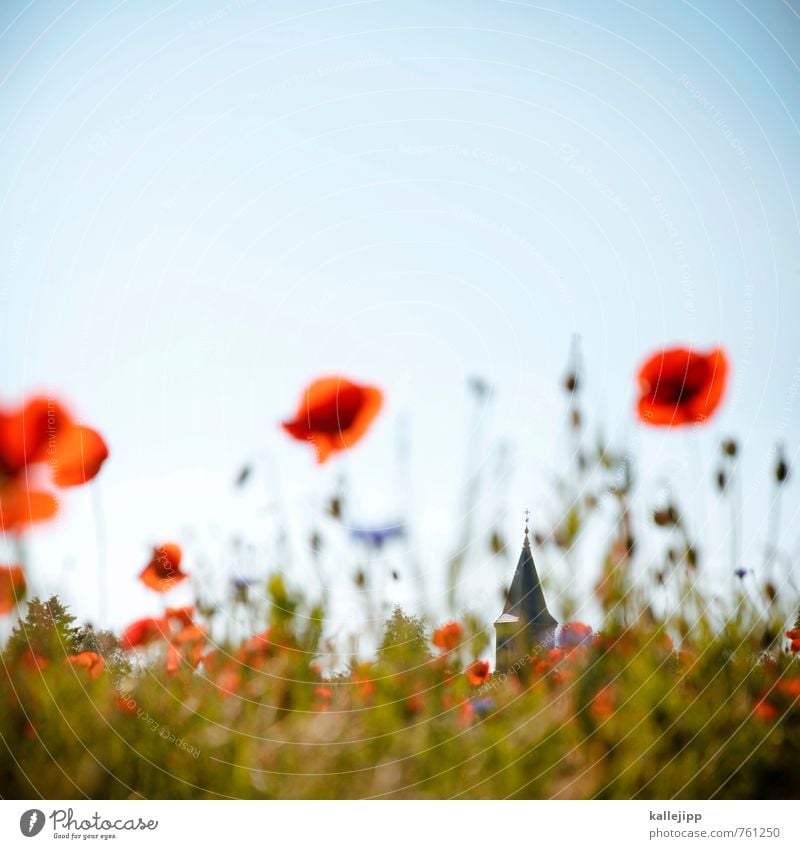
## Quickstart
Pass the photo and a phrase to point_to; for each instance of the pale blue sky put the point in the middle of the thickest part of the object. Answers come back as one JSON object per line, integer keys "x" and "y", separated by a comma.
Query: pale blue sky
{"x": 207, "y": 204}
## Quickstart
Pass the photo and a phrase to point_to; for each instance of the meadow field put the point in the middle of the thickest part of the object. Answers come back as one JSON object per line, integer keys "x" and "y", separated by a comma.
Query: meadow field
{"x": 694, "y": 697}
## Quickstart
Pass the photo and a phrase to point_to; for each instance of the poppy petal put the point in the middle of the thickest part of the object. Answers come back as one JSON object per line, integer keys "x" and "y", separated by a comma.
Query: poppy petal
{"x": 26, "y": 433}
{"x": 12, "y": 587}
{"x": 76, "y": 455}
{"x": 21, "y": 506}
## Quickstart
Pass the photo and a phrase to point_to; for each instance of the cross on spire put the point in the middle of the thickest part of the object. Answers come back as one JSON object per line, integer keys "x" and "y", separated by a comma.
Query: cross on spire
{"x": 527, "y": 515}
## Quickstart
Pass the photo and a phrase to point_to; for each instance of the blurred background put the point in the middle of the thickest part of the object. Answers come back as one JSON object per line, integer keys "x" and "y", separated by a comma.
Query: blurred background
{"x": 207, "y": 205}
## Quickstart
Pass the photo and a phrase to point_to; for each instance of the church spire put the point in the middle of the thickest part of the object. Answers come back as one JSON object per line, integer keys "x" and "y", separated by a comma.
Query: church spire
{"x": 525, "y": 623}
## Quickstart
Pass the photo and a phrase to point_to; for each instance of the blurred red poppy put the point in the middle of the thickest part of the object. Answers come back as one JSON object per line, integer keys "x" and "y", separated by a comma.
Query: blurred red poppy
{"x": 182, "y": 615}
{"x": 478, "y": 672}
{"x": 333, "y": 414}
{"x": 574, "y": 634}
{"x": 12, "y": 587}
{"x": 448, "y": 636}
{"x": 603, "y": 703}
{"x": 794, "y": 640}
{"x": 42, "y": 434}
{"x": 765, "y": 710}
{"x": 34, "y": 661}
{"x": 21, "y": 506}
{"x": 163, "y": 572}
{"x": 142, "y": 633}
{"x": 90, "y": 661}
{"x": 679, "y": 386}
{"x": 76, "y": 455}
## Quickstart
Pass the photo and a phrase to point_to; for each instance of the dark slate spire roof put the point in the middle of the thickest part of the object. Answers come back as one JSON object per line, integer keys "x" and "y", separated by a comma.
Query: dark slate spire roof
{"x": 525, "y": 600}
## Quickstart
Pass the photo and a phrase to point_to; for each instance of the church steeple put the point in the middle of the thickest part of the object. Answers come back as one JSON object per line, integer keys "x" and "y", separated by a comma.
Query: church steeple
{"x": 525, "y": 622}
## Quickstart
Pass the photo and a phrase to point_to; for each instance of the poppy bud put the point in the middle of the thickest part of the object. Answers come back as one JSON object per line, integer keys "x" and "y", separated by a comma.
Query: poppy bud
{"x": 781, "y": 467}
{"x": 729, "y": 447}
{"x": 722, "y": 480}
{"x": 691, "y": 557}
{"x": 538, "y": 539}
{"x": 571, "y": 382}
{"x": 576, "y": 418}
{"x": 770, "y": 591}
{"x": 335, "y": 507}
{"x": 360, "y": 578}
{"x": 666, "y": 517}
{"x": 496, "y": 543}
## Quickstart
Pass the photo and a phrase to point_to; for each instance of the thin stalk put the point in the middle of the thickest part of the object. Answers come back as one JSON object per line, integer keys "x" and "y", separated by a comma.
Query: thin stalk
{"x": 102, "y": 553}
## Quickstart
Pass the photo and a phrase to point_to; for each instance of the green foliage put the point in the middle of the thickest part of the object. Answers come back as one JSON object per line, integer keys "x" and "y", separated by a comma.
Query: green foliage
{"x": 624, "y": 716}
{"x": 47, "y": 631}
{"x": 404, "y": 642}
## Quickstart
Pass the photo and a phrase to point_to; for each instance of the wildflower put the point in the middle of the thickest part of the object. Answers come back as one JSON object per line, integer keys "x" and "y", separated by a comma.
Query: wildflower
{"x": 679, "y": 386}
{"x": 42, "y": 434}
{"x": 603, "y": 703}
{"x": 765, "y": 710}
{"x": 334, "y": 414}
{"x": 794, "y": 638}
{"x": 126, "y": 704}
{"x": 790, "y": 687}
{"x": 378, "y": 536}
{"x": 482, "y": 705}
{"x": 478, "y": 672}
{"x": 361, "y": 676}
{"x": 88, "y": 660}
{"x": 741, "y": 573}
{"x": 255, "y": 650}
{"x": 142, "y": 633}
{"x": 181, "y": 615}
{"x": 574, "y": 634}
{"x": 324, "y": 696}
{"x": 163, "y": 571}
{"x": 34, "y": 661}
{"x": 77, "y": 456}
{"x": 12, "y": 587}
{"x": 448, "y": 636}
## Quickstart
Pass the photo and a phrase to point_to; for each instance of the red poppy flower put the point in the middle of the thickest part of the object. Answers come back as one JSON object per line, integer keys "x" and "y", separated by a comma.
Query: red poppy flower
{"x": 34, "y": 661}
{"x": 790, "y": 687}
{"x": 574, "y": 634}
{"x": 765, "y": 710}
{"x": 76, "y": 455}
{"x": 182, "y": 615}
{"x": 42, "y": 434}
{"x": 334, "y": 413}
{"x": 603, "y": 703}
{"x": 26, "y": 433}
{"x": 89, "y": 660}
{"x": 448, "y": 636}
{"x": 478, "y": 672}
{"x": 679, "y": 386}
{"x": 794, "y": 638}
{"x": 12, "y": 587}
{"x": 142, "y": 633}
{"x": 21, "y": 506}
{"x": 163, "y": 572}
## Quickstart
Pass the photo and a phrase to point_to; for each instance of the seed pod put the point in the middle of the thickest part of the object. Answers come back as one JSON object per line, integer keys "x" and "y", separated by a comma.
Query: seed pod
{"x": 571, "y": 382}
{"x": 730, "y": 448}
{"x": 722, "y": 480}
